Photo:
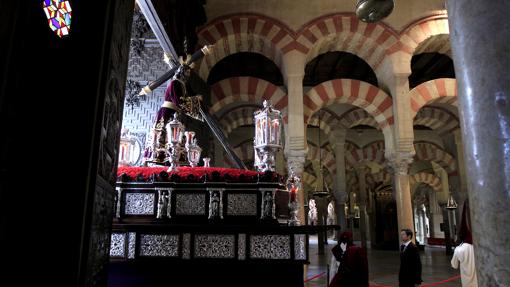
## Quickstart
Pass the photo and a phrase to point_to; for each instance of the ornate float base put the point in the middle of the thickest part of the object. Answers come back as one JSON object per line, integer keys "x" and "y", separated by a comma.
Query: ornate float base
{"x": 202, "y": 226}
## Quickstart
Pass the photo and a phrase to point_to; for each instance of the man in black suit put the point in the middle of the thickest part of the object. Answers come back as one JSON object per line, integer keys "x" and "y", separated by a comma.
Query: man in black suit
{"x": 410, "y": 264}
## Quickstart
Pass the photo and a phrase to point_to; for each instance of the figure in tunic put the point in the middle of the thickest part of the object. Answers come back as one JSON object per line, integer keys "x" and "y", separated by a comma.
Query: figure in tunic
{"x": 214, "y": 206}
{"x": 268, "y": 205}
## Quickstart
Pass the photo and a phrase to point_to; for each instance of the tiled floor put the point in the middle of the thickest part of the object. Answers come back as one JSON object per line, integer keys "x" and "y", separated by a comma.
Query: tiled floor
{"x": 384, "y": 265}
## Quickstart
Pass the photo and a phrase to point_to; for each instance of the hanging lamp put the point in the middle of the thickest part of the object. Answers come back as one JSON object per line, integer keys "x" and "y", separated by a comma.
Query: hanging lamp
{"x": 371, "y": 11}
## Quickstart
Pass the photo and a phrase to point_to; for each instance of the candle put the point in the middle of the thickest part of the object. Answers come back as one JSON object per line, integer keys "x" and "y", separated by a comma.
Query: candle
{"x": 293, "y": 191}
{"x": 189, "y": 137}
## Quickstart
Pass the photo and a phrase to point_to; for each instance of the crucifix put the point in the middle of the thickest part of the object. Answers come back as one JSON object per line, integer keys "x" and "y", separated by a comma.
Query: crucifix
{"x": 177, "y": 98}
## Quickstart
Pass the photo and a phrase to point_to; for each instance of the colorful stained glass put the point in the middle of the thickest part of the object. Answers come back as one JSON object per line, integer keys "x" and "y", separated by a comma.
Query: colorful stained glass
{"x": 58, "y": 13}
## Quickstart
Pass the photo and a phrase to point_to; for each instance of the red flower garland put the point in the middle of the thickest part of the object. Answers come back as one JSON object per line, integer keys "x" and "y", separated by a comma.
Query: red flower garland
{"x": 146, "y": 172}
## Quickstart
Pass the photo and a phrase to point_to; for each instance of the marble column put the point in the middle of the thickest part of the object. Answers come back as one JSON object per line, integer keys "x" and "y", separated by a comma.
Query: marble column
{"x": 462, "y": 193}
{"x": 363, "y": 223}
{"x": 402, "y": 191}
{"x": 295, "y": 141}
{"x": 479, "y": 34}
{"x": 337, "y": 139}
{"x": 320, "y": 203}
{"x": 423, "y": 228}
{"x": 401, "y": 154}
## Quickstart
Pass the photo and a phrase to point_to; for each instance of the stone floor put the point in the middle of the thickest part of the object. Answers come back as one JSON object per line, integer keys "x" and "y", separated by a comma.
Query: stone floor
{"x": 384, "y": 265}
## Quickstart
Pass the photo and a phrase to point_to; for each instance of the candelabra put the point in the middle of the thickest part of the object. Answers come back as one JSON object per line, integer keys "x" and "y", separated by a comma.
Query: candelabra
{"x": 176, "y": 146}
{"x": 293, "y": 186}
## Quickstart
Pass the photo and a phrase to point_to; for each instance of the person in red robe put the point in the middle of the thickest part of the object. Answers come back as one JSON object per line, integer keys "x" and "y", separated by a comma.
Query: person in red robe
{"x": 353, "y": 269}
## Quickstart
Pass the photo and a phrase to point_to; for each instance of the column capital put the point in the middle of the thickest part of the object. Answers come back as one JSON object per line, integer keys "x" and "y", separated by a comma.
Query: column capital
{"x": 399, "y": 162}
{"x": 361, "y": 168}
{"x": 296, "y": 161}
{"x": 337, "y": 135}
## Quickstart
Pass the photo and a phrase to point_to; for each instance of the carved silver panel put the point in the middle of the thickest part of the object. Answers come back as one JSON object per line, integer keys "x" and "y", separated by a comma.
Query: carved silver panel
{"x": 300, "y": 246}
{"x": 241, "y": 204}
{"x": 118, "y": 245}
{"x": 159, "y": 245}
{"x": 139, "y": 204}
{"x": 190, "y": 204}
{"x": 241, "y": 246}
{"x": 270, "y": 246}
{"x": 131, "y": 245}
{"x": 186, "y": 246}
{"x": 214, "y": 246}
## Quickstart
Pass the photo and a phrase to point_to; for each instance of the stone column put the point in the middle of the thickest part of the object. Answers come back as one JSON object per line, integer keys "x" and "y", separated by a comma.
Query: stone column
{"x": 462, "y": 193}
{"x": 423, "y": 226}
{"x": 337, "y": 139}
{"x": 400, "y": 165}
{"x": 295, "y": 141}
{"x": 295, "y": 128}
{"x": 319, "y": 203}
{"x": 403, "y": 150}
{"x": 447, "y": 230}
{"x": 479, "y": 36}
{"x": 362, "y": 174}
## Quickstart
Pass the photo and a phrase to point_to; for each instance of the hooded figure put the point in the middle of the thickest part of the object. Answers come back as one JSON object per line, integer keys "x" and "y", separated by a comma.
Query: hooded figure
{"x": 464, "y": 256}
{"x": 353, "y": 269}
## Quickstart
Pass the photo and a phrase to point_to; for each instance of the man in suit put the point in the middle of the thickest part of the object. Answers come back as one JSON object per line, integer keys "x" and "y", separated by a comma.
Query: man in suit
{"x": 410, "y": 264}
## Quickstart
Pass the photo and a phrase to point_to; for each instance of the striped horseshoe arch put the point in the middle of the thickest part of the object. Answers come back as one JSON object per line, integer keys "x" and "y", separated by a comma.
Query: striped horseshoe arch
{"x": 347, "y": 91}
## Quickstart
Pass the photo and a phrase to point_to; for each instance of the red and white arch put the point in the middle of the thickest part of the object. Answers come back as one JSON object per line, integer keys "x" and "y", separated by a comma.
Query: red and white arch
{"x": 372, "y": 152}
{"x": 327, "y": 158}
{"x": 347, "y": 91}
{"x": 430, "y": 152}
{"x": 246, "y": 90}
{"x": 328, "y": 120}
{"x": 442, "y": 90}
{"x": 436, "y": 118}
{"x": 357, "y": 116}
{"x": 344, "y": 32}
{"x": 243, "y": 33}
{"x": 237, "y": 117}
{"x": 429, "y": 34}
{"x": 426, "y": 178}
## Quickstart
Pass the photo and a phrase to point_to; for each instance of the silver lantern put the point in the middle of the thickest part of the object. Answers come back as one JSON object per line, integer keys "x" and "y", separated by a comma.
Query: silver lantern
{"x": 189, "y": 138}
{"x": 175, "y": 133}
{"x": 268, "y": 130}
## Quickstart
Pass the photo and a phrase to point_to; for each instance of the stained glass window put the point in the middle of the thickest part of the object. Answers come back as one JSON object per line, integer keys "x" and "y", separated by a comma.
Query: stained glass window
{"x": 58, "y": 13}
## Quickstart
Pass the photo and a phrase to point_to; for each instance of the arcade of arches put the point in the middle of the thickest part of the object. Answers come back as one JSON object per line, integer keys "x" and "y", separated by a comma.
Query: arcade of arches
{"x": 370, "y": 111}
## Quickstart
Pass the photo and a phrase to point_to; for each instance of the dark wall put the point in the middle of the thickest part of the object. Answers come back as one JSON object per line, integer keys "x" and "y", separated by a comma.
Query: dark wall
{"x": 57, "y": 151}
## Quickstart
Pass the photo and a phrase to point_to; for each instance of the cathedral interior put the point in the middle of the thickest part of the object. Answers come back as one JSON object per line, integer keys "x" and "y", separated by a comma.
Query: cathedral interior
{"x": 230, "y": 143}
